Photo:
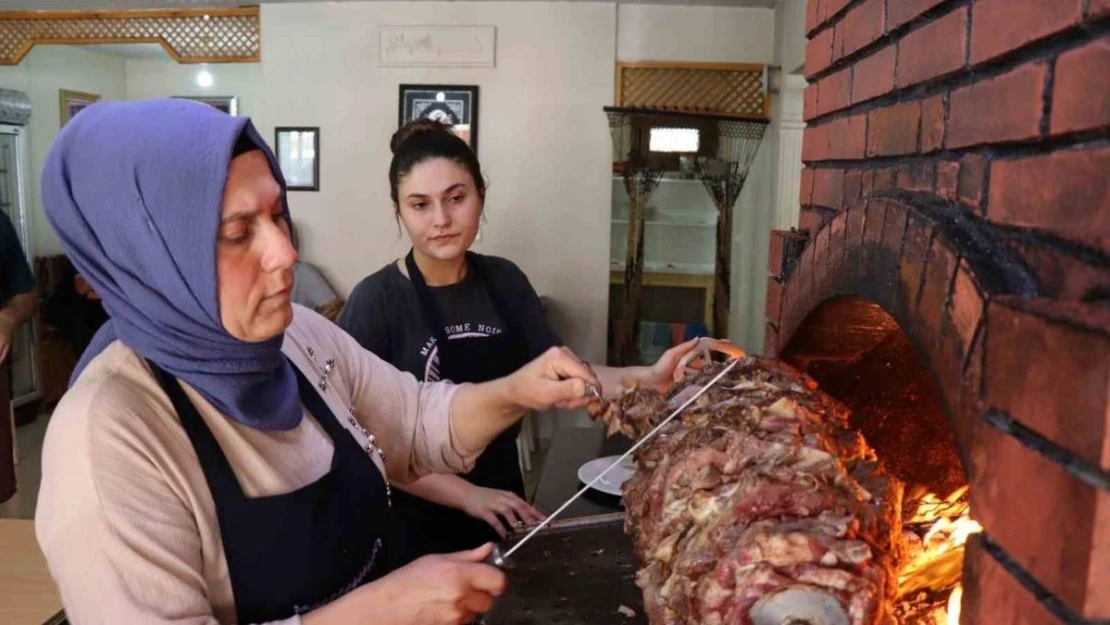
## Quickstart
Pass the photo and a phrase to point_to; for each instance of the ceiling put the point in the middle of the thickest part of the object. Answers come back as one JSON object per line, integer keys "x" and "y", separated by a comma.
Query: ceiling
{"x": 68, "y": 5}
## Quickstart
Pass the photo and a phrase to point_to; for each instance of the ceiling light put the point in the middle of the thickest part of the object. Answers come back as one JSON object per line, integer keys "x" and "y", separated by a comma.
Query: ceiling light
{"x": 204, "y": 77}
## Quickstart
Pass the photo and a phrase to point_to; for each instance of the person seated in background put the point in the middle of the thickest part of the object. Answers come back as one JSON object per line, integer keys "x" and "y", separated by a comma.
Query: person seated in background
{"x": 310, "y": 288}
{"x": 74, "y": 309}
{"x": 17, "y": 286}
{"x": 17, "y": 303}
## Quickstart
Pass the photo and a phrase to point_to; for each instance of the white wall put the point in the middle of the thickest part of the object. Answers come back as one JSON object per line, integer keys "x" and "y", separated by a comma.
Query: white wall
{"x": 752, "y": 216}
{"x": 770, "y": 200}
{"x": 543, "y": 138}
{"x": 40, "y": 75}
{"x": 161, "y": 78}
{"x": 649, "y": 32}
{"x": 790, "y": 35}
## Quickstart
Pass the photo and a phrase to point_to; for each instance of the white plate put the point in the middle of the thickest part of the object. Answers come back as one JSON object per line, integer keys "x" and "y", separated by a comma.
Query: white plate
{"x": 613, "y": 480}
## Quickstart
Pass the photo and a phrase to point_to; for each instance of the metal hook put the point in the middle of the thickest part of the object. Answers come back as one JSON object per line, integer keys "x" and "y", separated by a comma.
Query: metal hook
{"x": 594, "y": 391}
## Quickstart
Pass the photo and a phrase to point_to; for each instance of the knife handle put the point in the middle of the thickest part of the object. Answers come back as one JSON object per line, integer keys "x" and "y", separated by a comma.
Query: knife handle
{"x": 493, "y": 559}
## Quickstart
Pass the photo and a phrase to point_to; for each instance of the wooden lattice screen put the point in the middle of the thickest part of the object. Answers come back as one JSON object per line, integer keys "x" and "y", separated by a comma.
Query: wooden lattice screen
{"x": 733, "y": 89}
{"x": 189, "y": 36}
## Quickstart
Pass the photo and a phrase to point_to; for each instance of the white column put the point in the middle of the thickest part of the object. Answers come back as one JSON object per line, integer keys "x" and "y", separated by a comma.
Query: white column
{"x": 789, "y": 126}
{"x": 751, "y": 237}
{"x": 769, "y": 202}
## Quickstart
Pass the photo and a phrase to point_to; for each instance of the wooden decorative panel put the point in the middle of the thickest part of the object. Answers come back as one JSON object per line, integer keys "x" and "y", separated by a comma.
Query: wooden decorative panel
{"x": 189, "y": 36}
{"x": 709, "y": 88}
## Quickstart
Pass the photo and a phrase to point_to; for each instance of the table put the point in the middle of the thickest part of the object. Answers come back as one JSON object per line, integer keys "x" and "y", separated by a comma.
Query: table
{"x": 28, "y": 595}
{"x": 575, "y": 571}
{"x": 681, "y": 279}
{"x": 571, "y": 447}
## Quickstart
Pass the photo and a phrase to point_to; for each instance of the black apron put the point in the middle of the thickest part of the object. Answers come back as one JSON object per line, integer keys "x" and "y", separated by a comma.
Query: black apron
{"x": 430, "y": 527}
{"x": 289, "y": 554}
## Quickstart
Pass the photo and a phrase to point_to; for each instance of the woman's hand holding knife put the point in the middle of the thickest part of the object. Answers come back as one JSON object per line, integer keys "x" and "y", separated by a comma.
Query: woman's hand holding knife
{"x": 452, "y": 589}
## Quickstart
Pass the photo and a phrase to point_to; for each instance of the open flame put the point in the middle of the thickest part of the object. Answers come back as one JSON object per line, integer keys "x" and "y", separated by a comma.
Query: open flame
{"x": 935, "y": 536}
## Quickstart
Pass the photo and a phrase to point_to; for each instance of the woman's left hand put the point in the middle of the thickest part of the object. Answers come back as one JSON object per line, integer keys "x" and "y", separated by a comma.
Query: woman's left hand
{"x": 556, "y": 378}
{"x": 660, "y": 376}
{"x": 500, "y": 508}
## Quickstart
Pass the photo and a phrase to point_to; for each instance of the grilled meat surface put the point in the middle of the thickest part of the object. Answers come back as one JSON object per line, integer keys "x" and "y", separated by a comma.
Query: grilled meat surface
{"x": 757, "y": 505}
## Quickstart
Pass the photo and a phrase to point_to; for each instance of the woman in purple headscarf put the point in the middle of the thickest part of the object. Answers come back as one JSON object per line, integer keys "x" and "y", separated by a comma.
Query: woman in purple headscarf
{"x": 222, "y": 455}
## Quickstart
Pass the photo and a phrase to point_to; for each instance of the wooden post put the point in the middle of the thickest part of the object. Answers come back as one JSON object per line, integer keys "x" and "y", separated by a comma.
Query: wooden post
{"x": 629, "y": 353}
{"x": 722, "y": 274}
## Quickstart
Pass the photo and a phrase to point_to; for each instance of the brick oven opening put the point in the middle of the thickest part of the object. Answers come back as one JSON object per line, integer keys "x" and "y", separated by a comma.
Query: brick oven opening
{"x": 857, "y": 353}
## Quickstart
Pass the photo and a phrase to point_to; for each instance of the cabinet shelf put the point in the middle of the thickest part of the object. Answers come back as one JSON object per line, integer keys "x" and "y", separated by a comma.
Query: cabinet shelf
{"x": 665, "y": 267}
{"x": 681, "y": 275}
{"x": 675, "y": 224}
{"x": 668, "y": 180}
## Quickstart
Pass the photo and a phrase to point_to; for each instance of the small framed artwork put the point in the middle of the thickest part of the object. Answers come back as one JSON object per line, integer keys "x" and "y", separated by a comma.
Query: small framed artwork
{"x": 71, "y": 103}
{"x": 227, "y": 103}
{"x": 298, "y": 154}
{"x": 456, "y": 105}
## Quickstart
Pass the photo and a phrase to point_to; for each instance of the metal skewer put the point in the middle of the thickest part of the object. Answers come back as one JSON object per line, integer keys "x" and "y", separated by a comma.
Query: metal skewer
{"x": 498, "y": 559}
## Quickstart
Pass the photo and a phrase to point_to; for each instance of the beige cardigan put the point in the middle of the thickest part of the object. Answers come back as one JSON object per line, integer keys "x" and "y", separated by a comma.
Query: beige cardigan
{"x": 125, "y": 516}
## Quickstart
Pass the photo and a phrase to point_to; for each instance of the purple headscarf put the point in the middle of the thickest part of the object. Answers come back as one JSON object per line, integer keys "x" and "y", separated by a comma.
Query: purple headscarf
{"x": 134, "y": 190}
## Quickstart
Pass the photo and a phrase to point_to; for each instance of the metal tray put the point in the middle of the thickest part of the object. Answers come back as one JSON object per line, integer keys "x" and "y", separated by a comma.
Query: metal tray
{"x": 574, "y": 572}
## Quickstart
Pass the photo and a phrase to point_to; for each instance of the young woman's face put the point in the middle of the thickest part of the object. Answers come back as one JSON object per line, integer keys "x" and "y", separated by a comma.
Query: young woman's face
{"x": 439, "y": 204}
{"x": 254, "y": 254}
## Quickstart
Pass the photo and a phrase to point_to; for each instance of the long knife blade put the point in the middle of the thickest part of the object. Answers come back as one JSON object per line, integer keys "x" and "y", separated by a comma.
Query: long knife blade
{"x": 499, "y": 559}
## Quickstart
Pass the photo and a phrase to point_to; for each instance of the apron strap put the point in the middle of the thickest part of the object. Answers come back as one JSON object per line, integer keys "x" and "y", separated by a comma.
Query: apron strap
{"x": 214, "y": 462}
{"x": 216, "y": 467}
{"x": 427, "y": 305}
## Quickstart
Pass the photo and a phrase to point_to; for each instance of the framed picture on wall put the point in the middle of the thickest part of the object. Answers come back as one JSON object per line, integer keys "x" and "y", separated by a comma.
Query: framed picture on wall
{"x": 298, "y": 154}
{"x": 71, "y": 103}
{"x": 456, "y": 105}
{"x": 226, "y": 103}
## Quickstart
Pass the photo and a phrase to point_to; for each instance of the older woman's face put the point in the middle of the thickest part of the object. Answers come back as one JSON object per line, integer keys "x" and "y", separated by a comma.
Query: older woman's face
{"x": 254, "y": 254}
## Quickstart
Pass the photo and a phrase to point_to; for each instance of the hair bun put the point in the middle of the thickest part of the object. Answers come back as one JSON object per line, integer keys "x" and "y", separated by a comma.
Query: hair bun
{"x": 418, "y": 126}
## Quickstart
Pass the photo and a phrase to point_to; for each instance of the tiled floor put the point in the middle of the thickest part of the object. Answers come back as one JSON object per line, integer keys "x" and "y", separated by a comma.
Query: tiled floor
{"x": 28, "y": 473}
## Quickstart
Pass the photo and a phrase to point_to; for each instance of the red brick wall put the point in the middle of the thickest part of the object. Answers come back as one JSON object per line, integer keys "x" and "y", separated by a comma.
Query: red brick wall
{"x": 958, "y": 174}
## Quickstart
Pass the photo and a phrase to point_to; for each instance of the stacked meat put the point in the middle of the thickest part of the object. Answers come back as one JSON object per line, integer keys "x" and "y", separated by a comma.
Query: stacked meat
{"x": 757, "y": 506}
